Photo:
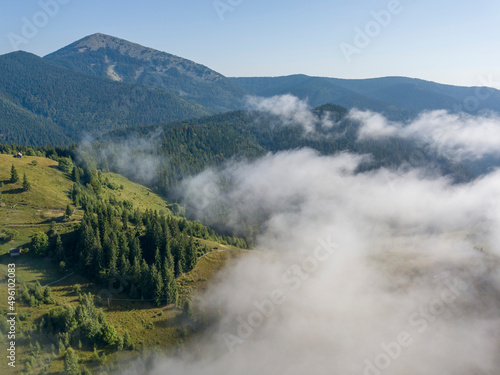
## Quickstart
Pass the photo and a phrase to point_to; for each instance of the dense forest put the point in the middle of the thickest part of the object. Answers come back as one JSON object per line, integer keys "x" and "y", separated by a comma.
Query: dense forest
{"x": 137, "y": 64}
{"x": 45, "y": 103}
{"x": 163, "y": 156}
{"x": 184, "y": 148}
{"x": 149, "y": 249}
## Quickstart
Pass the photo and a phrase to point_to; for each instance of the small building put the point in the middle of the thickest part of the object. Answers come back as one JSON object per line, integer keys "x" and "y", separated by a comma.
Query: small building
{"x": 15, "y": 252}
{"x": 19, "y": 155}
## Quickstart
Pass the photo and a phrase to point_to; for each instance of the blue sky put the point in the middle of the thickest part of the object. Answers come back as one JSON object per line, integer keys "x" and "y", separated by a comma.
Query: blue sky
{"x": 446, "y": 41}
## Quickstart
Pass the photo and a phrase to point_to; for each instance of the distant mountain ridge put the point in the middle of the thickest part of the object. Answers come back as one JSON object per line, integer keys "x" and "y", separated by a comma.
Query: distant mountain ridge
{"x": 396, "y": 97}
{"x": 43, "y": 103}
{"x": 102, "y": 83}
{"x": 109, "y": 57}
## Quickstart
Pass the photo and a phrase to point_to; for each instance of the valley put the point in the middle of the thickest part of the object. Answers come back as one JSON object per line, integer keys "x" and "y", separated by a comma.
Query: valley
{"x": 161, "y": 217}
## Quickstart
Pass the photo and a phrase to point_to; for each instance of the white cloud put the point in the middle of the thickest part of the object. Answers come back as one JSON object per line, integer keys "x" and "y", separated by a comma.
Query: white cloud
{"x": 459, "y": 136}
{"x": 290, "y": 110}
{"x": 405, "y": 263}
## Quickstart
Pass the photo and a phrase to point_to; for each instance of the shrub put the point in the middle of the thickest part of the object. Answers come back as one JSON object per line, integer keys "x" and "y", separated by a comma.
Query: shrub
{"x": 39, "y": 243}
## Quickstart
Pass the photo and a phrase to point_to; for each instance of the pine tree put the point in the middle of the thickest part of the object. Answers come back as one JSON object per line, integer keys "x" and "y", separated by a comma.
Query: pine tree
{"x": 47, "y": 295}
{"x": 191, "y": 257}
{"x": 86, "y": 242}
{"x": 169, "y": 285}
{"x": 157, "y": 284}
{"x": 179, "y": 258}
{"x": 123, "y": 265}
{"x": 26, "y": 184}
{"x": 145, "y": 285}
{"x": 113, "y": 259}
{"x": 169, "y": 258}
{"x": 38, "y": 291}
{"x": 110, "y": 248}
{"x": 75, "y": 174}
{"x": 60, "y": 347}
{"x": 125, "y": 219}
{"x": 136, "y": 271}
{"x": 157, "y": 262}
{"x": 97, "y": 257}
{"x": 71, "y": 363}
{"x": 123, "y": 248}
{"x": 68, "y": 212}
{"x": 127, "y": 340}
{"x": 59, "y": 249}
{"x": 135, "y": 249}
{"x": 14, "y": 177}
{"x": 178, "y": 268}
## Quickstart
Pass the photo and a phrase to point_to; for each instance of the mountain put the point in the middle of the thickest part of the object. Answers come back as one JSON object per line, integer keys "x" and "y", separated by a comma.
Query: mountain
{"x": 19, "y": 125}
{"x": 185, "y": 148}
{"x": 396, "y": 97}
{"x": 119, "y": 60}
{"x": 44, "y": 103}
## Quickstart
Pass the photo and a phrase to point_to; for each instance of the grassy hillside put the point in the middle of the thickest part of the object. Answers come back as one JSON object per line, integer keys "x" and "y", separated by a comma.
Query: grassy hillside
{"x": 29, "y": 212}
{"x": 32, "y": 211}
{"x": 24, "y": 213}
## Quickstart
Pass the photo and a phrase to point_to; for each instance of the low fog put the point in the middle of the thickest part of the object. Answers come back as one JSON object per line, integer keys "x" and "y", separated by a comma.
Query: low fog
{"x": 130, "y": 156}
{"x": 381, "y": 272}
{"x": 290, "y": 111}
{"x": 458, "y": 136}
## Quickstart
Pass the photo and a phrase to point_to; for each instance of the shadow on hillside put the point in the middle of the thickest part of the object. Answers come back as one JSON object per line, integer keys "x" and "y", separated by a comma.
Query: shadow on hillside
{"x": 4, "y": 240}
{"x": 13, "y": 191}
{"x": 174, "y": 322}
{"x": 6, "y": 258}
{"x": 119, "y": 303}
{"x": 26, "y": 263}
{"x": 57, "y": 219}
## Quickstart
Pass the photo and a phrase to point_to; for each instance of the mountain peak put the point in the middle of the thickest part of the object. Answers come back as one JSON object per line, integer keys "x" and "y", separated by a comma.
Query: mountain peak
{"x": 97, "y": 41}
{"x": 120, "y": 60}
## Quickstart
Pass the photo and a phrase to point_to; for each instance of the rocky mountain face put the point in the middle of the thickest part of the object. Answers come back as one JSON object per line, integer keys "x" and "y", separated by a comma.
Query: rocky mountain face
{"x": 119, "y": 60}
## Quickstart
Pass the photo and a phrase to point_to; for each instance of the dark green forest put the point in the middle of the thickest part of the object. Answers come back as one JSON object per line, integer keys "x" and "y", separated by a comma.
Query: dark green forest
{"x": 158, "y": 69}
{"x": 44, "y": 103}
{"x": 193, "y": 145}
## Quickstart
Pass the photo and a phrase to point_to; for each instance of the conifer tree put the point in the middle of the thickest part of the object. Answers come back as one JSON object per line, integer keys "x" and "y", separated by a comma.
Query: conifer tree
{"x": 157, "y": 284}
{"x": 59, "y": 249}
{"x": 75, "y": 174}
{"x": 191, "y": 256}
{"x": 71, "y": 363}
{"x": 169, "y": 285}
{"x": 178, "y": 268}
{"x": 14, "y": 177}
{"x": 136, "y": 271}
{"x": 145, "y": 286}
{"x": 68, "y": 212}
{"x": 26, "y": 184}
{"x": 135, "y": 249}
{"x": 157, "y": 261}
